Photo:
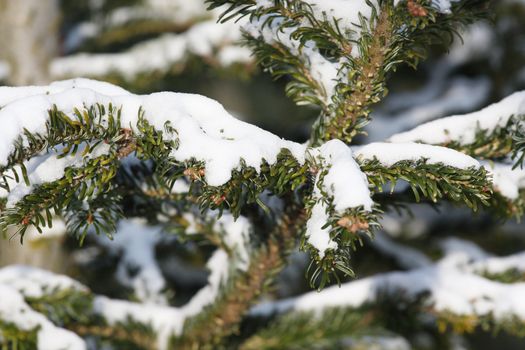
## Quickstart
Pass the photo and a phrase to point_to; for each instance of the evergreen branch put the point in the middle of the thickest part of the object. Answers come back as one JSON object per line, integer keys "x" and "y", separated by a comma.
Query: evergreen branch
{"x": 95, "y": 127}
{"x": 338, "y": 67}
{"x": 12, "y": 337}
{"x": 433, "y": 181}
{"x": 495, "y": 132}
{"x": 365, "y": 87}
{"x": 73, "y": 310}
{"x": 208, "y": 329}
{"x": 308, "y": 330}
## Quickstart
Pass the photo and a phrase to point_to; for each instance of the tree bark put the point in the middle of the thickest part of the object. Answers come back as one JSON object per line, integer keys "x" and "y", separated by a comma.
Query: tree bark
{"x": 29, "y": 39}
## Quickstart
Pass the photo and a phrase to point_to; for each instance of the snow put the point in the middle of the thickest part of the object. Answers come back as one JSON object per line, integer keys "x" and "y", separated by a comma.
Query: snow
{"x": 496, "y": 265}
{"x": 347, "y": 11}
{"x": 138, "y": 242}
{"x": 13, "y": 309}
{"x": 443, "y": 6}
{"x": 507, "y": 181}
{"x": 44, "y": 169}
{"x": 344, "y": 181}
{"x": 348, "y": 15}
{"x": 346, "y": 185}
{"x": 230, "y": 55}
{"x": 10, "y": 94}
{"x": 34, "y": 282}
{"x": 19, "y": 281}
{"x": 166, "y": 320}
{"x": 445, "y": 282}
{"x": 318, "y": 236}
{"x": 440, "y": 97}
{"x": 179, "y": 11}
{"x": 180, "y": 187}
{"x": 389, "y": 154}
{"x": 323, "y": 71}
{"x": 205, "y": 130}
{"x": 442, "y": 94}
{"x": 160, "y": 54}
{"x": 462, "y": 128}
{"x": 236, "y": 235}
{"x": 137, "y": 268}
{"x": 377, "y": 342}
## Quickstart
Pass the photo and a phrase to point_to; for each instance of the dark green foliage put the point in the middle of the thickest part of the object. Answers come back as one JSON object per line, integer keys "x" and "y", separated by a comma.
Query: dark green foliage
{"x": 136, "y": 175}
{"x": 391, "y": 36}
{"x": 63, "y": 307}
{"x": 471, "y": 187}
{"x": 510, "y": 276}
{"x": 12, "y": 338}
{"x": 301, "y": 330}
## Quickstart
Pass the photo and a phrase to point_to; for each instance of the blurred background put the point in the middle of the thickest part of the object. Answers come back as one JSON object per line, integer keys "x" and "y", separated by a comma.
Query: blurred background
{"x": 154, "y": 45}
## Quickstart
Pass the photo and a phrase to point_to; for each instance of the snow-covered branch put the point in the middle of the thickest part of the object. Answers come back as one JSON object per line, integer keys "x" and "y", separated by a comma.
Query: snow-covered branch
{"x": 216, "y": 43}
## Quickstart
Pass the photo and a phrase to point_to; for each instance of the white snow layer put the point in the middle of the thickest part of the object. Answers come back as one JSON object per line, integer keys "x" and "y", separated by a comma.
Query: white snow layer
{"x": 19, "y": 281}
{"x": 462, "y": 128}
{"x": 167, "y": 321}
{"x": 451, "y": 283}
{"x": 205, "y": 130}
{"x": 138, "y": 268}
{"x": 344, "y": 182}
{"x": 325, "y": 72}
{"x": 160, "y": 54}
{"x": 347, "y": 12}
{"x": 342, "y": 171}
{"x": 389, "y": 154}
{"x": 506, "y": 180}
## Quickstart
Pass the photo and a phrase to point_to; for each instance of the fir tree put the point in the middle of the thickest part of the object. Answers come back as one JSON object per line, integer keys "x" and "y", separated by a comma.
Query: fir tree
{"x": 178, "y": 169}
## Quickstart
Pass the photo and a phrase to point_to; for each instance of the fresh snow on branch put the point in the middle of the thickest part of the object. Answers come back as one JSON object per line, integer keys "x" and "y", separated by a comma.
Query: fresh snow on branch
{"x": 17, "y": 282}
{"x": 445, "y": 282}
{"x": 205, "y": 130}
{"x": 442, "y": 94}
{"x": 14, "y": 310}
{"x": 44, "y": 169}
{"x": 344, "y": 182}
{"x": 34, "y": 283}
{"x": 389, "y": 154}
{"x": 160, "y": 54}
{"x": 180, "y": 12}
{"x": 165, "y": 320}
{"x": 433, "y": 101}
{"x": 343, "y": 170}
{"x": 507, "y": 180}
{"x": 138, "y": 267}
{"x": 463, "y": 128}
{"x": 325, "y": 72}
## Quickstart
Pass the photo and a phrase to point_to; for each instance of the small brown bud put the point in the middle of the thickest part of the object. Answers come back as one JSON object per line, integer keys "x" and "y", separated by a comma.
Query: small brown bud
{"x": 194, "y": 173}
{"x": 416, "y": 9}
{"x": 218, "y": 199}
{"x": 352, "y": 224}
{"x": 26, "y": 220}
